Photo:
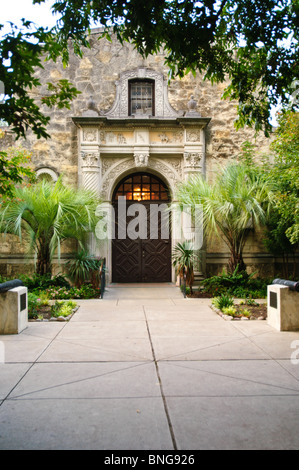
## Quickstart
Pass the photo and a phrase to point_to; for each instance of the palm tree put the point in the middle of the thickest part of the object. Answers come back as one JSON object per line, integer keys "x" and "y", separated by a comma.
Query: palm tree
{"x": 47, "y": 214}
{"x": 237, "y": 201}
{"x": 184, "y": 258}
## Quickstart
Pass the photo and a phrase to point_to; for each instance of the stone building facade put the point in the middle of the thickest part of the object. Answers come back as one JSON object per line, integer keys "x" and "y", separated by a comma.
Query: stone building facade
{"x": 129, "y": 122}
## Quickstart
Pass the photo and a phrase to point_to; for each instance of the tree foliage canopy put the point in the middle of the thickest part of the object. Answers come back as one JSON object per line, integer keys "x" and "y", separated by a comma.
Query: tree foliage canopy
{"x": 22, "y": 51}
{"x": 253, "y": 44}
{"x": 14, "y": 169}
{"x": 285, "y": 175}
{"x": 281, "y": 170}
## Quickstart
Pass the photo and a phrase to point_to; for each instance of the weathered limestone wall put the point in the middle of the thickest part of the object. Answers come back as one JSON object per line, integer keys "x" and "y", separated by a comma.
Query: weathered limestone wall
{"x": 96, "y": 75}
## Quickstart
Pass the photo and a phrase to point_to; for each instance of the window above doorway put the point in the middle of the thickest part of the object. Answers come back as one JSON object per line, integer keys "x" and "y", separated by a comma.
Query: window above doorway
{"x": 141, "y": 98}
{"x": 141, "y": 93}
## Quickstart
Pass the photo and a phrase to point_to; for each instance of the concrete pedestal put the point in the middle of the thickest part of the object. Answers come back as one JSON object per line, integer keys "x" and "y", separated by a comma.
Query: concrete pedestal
{"x": 283, "y": 308}
{"x": 13, "y": 311}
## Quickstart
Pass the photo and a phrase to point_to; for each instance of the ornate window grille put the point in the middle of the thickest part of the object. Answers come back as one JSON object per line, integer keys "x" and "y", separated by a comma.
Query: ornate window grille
{"x": 141, "y": 98}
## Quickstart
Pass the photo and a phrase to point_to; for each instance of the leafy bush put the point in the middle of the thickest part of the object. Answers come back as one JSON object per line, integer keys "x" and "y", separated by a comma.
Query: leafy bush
{"x": 43, "y": 298}
{"x": 87, "y": 291}
{"x": 239, "y": 284}
{"x": 63, "y": 309}
{"x": 245, "y": 312}
{"x": 231, "y": 311}
{"x": 44, "y": 282}
{"x": 33, "y": 303}
{"x": 188, "y": 290}
{"x": 82, "y": 266}
{"x": 222, "y": 301}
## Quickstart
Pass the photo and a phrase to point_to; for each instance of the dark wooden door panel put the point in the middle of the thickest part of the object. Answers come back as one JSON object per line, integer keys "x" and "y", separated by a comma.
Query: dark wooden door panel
{"x": 126, "y": 261}
{"x": 156, "y": 261}
{"x": 141, "y": 260}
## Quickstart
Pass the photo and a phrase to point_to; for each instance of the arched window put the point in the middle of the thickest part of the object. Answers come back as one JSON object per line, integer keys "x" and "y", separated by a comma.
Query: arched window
{"x": 46, "y": 174}
{"x": 142, "y": 187}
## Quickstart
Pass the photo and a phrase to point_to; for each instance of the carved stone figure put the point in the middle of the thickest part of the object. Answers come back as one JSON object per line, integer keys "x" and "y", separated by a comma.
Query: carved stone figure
{"x": 141, "y": 160}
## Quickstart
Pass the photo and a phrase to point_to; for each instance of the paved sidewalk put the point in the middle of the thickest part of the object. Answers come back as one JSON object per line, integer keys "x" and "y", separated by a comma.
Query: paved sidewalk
{"x": 145, "y": 369}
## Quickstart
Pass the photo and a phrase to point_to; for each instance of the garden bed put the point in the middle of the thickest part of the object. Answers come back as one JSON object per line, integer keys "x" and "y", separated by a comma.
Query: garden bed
{"x": 54, "y": 311}
{"x": 243, "y": 311}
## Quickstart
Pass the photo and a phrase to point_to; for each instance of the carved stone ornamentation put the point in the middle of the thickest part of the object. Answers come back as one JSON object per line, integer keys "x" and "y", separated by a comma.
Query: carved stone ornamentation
{"x": 90, "y": 135}
{"x": 165, "y": 168}
{"x": 121, "y": 104}
{"x": 192, "y": 108}
{"x": 141, "y": 160}
{"x": 90, "y": 159}
{"x": 107, "y": 163}
{"x": 91, "y": 110}
{"x": 193, "y": 136}
{"x": 192, "y": 160}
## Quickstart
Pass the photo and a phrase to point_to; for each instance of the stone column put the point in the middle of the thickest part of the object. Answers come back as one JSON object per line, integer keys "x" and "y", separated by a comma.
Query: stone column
{"x": 91, "y": 170}
{"x": 90, "y": 159}
{"x": 194, "y": 164}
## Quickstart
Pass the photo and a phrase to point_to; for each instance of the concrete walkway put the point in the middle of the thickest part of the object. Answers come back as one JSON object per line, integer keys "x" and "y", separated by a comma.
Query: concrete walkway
{"x": 145, "y": 369}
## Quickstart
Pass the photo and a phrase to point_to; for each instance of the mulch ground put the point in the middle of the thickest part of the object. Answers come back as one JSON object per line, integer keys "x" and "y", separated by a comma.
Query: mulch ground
{"x": 43, "y": 312}
{"x": 257, "y": 312}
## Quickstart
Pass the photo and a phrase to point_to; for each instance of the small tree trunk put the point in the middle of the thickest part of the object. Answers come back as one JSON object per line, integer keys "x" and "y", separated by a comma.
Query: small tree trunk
{"x": 236, "y": 259}
{"x": 44, "y": 264}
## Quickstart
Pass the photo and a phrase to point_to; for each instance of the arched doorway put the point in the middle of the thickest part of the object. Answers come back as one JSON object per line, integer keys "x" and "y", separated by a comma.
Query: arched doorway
{"x": 141, "y": 248}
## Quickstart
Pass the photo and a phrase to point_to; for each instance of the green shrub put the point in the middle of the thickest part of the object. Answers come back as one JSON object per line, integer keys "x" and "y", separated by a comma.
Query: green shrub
{"x": 188, "y": 290}
{"x": 63, "y": 309}
{"x": 43, "y": 298}
{"x": 33, "y": 303}
{"x": 36, "y": 281}
{"x": 223, "y": 301}
{"x": 250, "y": 302}
{"x": 82, "y": 266}
{"x": 231, "y": 311}
{"x": 245, "y": 312}
{"x": 87, "y": 291}
{"x": 239, "y": 284}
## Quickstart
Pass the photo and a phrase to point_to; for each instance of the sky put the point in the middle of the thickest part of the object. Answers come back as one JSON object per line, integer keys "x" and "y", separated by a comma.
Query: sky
{"x": 15, "y": 10}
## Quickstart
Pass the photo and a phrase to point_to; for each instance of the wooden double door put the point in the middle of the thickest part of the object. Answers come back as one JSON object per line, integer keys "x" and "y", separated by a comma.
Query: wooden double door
{"x": 141, "y": 248}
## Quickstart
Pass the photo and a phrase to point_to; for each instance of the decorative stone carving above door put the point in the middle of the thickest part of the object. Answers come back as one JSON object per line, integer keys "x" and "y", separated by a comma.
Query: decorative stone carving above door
{"x": 120, "y": 108}
{"x": 141, "y": 160}
{"x": 164, "y": 168}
